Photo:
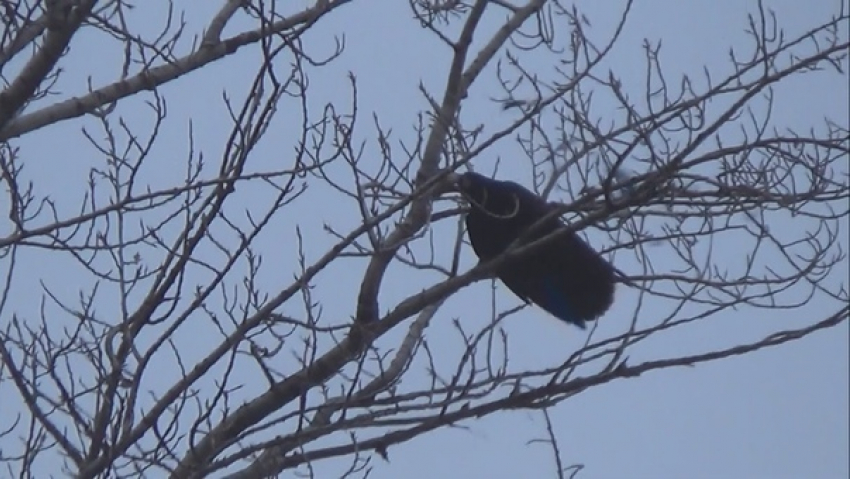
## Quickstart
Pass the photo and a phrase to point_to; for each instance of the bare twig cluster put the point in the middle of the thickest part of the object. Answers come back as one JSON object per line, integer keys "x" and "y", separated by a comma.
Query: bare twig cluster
{"x": 164, "y": 312}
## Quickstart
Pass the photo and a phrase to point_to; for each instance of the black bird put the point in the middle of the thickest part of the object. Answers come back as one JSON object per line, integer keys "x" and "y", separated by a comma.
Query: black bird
{"x": 566, "y": 277}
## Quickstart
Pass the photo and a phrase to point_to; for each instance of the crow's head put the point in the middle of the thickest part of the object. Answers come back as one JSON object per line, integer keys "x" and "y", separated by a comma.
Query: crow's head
{"x": 502, "y": 199}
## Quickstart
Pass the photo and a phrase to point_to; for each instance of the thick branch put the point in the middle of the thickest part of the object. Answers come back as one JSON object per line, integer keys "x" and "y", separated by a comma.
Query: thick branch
{"x": 154, "y": 77}
{"x": 63, "y": 22}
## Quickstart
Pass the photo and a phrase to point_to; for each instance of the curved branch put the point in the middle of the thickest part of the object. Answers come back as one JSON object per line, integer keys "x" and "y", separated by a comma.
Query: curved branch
{"x": 63, "y": 21}
{"x": 154, "y": 77}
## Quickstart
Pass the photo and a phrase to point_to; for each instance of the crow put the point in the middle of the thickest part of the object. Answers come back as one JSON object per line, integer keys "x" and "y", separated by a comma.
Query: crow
{"x": 565, "y": 277}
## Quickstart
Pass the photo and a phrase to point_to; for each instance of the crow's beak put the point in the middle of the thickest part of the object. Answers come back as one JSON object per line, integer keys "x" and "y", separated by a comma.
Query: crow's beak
{"x": 448, "y": 184}
{"x": 454, "y": 182}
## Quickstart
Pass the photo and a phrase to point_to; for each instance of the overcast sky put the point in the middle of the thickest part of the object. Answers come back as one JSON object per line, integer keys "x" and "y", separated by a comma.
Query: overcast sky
{"x": 779, "y": 413}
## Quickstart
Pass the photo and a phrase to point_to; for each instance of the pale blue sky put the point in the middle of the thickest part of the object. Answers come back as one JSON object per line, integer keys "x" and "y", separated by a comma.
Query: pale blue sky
{"x": 779, "y": 413}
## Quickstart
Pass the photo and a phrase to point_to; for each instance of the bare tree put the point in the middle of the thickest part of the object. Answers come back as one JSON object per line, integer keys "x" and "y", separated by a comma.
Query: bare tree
{"x": 163, "y": 314}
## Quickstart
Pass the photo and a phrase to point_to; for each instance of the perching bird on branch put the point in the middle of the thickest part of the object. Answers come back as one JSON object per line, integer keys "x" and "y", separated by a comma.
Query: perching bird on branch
{"x": 565, "y": 277}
